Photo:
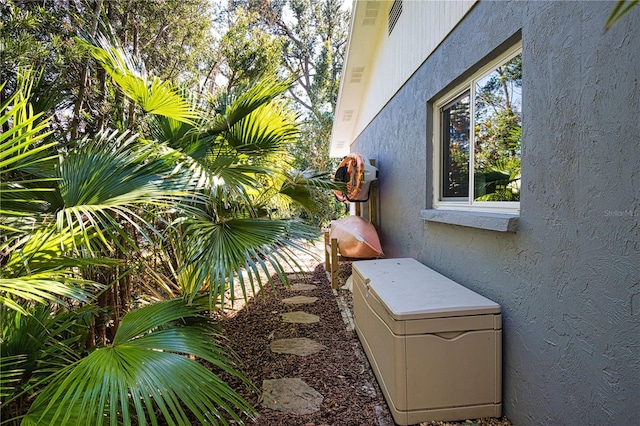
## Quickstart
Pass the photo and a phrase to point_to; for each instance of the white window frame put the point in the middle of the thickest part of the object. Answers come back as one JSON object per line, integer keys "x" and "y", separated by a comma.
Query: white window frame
{"x": 437, "y": 144}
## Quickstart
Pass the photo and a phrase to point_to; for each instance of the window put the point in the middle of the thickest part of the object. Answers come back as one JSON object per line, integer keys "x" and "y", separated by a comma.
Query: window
{"x": 477, "y": 139}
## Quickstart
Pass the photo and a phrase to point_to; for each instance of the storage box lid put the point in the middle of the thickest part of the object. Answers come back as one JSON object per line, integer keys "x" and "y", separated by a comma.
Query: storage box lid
{"x": 410, "y": 290}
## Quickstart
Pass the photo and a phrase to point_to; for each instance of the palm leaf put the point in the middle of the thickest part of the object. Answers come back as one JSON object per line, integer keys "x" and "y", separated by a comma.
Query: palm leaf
{"x": 621, "y": 8}
{"x": 22, "y": 144}
{"x": 302, "y": 187}
{"x": 219, "y": 250}
{"x": 151, "y": 94}
{"x": 38, "y": 290}
{"x": 113, "y": 178}
{"x": 45, "y": 340}
{"x": 17, "y": 143}
{"x": 146, "y": 372}
{"x": 13, "y": 368}
{"x": 234, "y": 108}
{"x": 269, "y": 129}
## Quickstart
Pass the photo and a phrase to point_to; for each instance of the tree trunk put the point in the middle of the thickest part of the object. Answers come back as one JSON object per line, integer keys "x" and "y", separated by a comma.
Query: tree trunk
{"x": 136, "y": 34}
{"x": 84, "y": 77}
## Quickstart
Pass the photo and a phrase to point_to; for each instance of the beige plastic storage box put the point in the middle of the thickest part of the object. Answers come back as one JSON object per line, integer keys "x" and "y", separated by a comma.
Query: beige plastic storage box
{"x": 434, "y": 345}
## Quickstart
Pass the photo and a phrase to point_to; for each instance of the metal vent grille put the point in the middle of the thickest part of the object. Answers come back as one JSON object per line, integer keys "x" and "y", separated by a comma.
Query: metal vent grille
{"x": 371, "y": 13}
{"x": 356, "y": 74}
{"x": 394, "y": 14}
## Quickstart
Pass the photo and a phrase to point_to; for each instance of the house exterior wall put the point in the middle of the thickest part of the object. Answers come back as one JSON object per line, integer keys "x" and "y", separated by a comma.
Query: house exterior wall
{"x": 392, "y": 65}
{"x": 379, "y": 65}
{"x": 568, "y": 280}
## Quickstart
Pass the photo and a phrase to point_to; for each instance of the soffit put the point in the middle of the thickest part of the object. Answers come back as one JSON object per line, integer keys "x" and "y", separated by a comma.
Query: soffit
{"x": 368, "y": 19}
{"x": 377, "y": 64}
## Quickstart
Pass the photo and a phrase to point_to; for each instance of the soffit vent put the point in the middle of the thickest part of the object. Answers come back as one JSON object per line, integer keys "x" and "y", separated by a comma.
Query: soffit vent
{"x": 340, "y": 144}
{"x": 356, "y": 74}
{"x": 348, "y": 115}
{"x": 394, "y": 14}
{"x": 371, "y": 13}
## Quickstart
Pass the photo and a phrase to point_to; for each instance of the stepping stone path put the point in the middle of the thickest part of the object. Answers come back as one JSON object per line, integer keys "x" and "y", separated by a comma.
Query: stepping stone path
{"x": 293, "y": 395}
{"x": 299, "y": 346}
{"x": 303, "y": 287}
{"x": 299, "y": 317}
{"x": 299, "y": 300}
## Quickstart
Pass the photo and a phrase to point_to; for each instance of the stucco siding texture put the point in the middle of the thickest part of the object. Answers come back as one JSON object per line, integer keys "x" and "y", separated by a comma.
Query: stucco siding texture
{"x": 568, "y": 281}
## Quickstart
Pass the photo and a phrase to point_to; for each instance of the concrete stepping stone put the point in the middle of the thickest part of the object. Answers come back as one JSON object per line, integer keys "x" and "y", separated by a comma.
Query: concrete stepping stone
{"x": 299, "y": 317}
{"x": 303, "y": 287}
{"x": 299, "y": 300}
{"x": 301, "y": 346}
{"x": 291, "y": 396}
{"x": 295, "y": 276}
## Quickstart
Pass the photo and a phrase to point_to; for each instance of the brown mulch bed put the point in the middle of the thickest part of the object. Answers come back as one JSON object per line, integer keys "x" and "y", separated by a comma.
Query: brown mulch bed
{"x": 344, "y": 379}
{"x": 340, "y": 373}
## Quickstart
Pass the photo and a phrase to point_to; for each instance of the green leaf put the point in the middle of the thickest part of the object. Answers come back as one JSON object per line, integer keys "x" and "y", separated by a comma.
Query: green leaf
{"x": 145, "y": 373}
{"x": 621, "y": 8}
{"x": 238, "y": 107}
{"x": 216, "y": 251}
{"x": 151, "y": 94}
{"x": 37, "y": 290}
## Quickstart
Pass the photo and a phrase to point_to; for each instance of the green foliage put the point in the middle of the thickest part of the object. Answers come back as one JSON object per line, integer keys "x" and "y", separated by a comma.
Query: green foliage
{"x": 190, "y": 199}
{"x": 151, "y": 94}
{"x": 621, "y": 8}
{"x": 35, "y": 35}
{"x": 104, "y": 197}
{"x": 34, "y": 345}
{"x": 313, "y": 35}
{"x": 498, "y": 134}
{"x": 144, "y": 375}
{"x": 498, "y": 137}
{"x": 500, "y": 181}
{"x": 248, "y": 52}
{"x": 30, "y": 255}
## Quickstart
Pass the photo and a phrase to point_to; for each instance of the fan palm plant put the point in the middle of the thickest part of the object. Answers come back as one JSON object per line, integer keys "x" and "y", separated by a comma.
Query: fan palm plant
{"x": 61, "y": 214}
{"x": 198, "y": 187}
{"x": 143, "y": 375}
{"x": 236, "y": 147}
{"x": 34, "y": 267}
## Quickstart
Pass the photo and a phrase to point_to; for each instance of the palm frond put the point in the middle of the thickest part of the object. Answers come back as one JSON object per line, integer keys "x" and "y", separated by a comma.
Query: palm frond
{"x": 621, "y": 8}
{"x": 151, "y": 94}
{"x": 302, "y": 187}
{"x": 45, "y": 340}
{"x": 37, "y": 289}
{"x": 267, "y": 130}
{"x": 22, "y": 144}
{"x": 235, "y": 108}
{"x": 13, "y": 369}
{"x": 146, "y": 373}
{"x": 46, "y": 249}
{"x": 17, "y": 148}
{"x": 219, "y": 250}
{"x": 112, "y": 178}
{"x": 171, "y": 131}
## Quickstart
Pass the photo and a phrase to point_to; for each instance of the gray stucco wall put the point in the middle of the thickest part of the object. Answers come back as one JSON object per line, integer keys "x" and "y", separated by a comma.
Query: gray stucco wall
{"x": 568, "y": 280}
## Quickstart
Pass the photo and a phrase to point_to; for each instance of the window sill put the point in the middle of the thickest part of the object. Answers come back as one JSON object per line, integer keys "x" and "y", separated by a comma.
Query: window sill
{"x": 501, "y": 222}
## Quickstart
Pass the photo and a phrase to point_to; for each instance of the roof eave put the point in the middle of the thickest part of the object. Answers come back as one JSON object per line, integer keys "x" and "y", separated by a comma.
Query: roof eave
{"x": 364, "y": 29}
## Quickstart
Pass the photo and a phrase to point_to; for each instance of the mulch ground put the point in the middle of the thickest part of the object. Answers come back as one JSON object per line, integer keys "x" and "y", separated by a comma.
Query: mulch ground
{"x": 340, "y": 373}
{"x": 343, "y": 378}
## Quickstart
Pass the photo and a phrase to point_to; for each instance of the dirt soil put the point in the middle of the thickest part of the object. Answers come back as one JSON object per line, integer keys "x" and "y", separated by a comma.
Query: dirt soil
{"x": 340, "y": 373}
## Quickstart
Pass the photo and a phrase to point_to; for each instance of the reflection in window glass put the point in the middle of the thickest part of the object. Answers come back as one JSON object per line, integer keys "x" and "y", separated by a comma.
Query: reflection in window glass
{"x": 497, "y": 133}
{"x": 491, "y": 105}
{"x": 456, "y": 131}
